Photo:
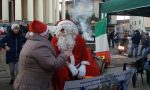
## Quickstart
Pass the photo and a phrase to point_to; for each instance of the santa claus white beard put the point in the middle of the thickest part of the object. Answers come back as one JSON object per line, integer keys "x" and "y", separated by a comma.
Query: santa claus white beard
{"x": 66, "y": 42}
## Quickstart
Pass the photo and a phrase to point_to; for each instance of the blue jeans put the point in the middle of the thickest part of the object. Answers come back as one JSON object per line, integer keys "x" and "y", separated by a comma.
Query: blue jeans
{"x": 134, "y": 46}
{"x": 142, "y": 48}
{"x": 13, "y": 66}
{"x": 147, "y": 51}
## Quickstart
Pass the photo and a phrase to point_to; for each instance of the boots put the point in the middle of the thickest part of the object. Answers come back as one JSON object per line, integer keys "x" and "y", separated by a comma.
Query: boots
{"x": 11, "y": 82}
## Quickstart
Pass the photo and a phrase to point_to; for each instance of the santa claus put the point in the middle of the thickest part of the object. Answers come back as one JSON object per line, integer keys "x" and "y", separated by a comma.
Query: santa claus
{"x": 67, "y": 37}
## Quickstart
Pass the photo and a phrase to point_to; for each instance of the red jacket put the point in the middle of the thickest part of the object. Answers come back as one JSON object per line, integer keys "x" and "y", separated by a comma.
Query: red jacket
{"x": 81, "y": 53}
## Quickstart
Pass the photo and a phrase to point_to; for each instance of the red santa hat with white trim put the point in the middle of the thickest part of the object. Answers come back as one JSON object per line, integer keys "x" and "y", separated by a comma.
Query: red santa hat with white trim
{"x": 38, "y": 27}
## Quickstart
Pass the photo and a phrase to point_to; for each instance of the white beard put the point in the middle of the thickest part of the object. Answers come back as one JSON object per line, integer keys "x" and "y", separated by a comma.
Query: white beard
{"x": 66, "y": 42}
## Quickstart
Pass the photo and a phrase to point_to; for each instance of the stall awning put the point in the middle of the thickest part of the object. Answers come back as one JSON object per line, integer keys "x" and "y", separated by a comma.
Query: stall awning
{"x": 127, "y": 7}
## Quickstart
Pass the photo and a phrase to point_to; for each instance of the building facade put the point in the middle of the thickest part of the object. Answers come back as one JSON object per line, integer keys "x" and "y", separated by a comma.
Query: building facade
{"x": 140, "y": 23}
{"x": 123, "y": 25}
{"x": 48, "y": 11}
{"x": 44, "y": 10}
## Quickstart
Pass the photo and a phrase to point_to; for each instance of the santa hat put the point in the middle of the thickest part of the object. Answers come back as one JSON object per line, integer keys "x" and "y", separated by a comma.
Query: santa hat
{"x": 14, "y": 26}
{"x": 67, "y": 25}
{"x": 38, "y": 27}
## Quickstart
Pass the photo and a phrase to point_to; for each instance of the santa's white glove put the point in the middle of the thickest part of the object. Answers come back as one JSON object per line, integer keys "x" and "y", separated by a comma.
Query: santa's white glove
{"x": 72, "y": 60}
{"x": 85, "y": 63}
{"x": 82, "y": 71}
{"x": 72, "y": 69}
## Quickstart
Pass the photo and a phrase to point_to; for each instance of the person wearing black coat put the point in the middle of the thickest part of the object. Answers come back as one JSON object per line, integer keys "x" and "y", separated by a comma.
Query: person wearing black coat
{"x": 135, "y": 43}
{"x": 111, "y": 36}
{"x": 13, "y": 43}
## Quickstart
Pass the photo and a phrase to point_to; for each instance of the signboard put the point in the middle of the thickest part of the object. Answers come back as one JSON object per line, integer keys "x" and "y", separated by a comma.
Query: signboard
{"x": 100, "y": 81}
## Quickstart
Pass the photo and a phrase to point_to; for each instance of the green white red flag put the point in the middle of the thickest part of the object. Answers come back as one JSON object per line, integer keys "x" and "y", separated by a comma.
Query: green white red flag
{"x": 102, "y": 47}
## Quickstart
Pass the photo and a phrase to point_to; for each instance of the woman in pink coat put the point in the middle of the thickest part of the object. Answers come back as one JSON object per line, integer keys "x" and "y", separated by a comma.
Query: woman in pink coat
{"x": 38, "y": 60}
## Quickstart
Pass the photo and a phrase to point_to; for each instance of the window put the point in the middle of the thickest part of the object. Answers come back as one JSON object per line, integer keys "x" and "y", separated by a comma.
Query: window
{"x": 139, "y": 22}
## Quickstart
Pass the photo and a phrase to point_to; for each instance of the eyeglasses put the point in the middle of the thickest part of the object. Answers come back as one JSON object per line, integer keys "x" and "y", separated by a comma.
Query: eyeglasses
{"x": 62, "y": 30}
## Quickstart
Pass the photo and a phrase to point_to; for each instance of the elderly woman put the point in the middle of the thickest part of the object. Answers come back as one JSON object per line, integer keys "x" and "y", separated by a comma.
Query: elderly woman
{"x": 38, "y": 60}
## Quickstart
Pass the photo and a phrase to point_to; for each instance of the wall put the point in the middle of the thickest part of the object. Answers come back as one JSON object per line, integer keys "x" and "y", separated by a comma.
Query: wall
{"x": 69, "y": 6}
{"x": 35, "y": 9}
{"x": 113, "y": 19}
{"x": 24, "y": 9}
{"x": 45, "y": 14}
{"x": 146, "y": 22}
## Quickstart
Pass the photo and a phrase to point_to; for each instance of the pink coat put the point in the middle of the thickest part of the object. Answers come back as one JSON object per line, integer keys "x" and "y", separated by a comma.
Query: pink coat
{"x": 37, "y": 62}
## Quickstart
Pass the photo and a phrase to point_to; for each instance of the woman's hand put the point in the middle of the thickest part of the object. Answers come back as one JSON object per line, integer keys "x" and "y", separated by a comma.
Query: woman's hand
{"x": 68, "y": 52}
{"x": 7, "y": 48}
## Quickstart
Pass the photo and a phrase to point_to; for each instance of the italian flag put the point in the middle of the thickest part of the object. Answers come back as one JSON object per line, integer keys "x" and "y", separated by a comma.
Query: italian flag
{"x": 102, "y": 47}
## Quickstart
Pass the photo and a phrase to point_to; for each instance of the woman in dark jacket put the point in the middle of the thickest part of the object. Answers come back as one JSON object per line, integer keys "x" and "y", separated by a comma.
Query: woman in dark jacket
{"x": 13, "y": 43}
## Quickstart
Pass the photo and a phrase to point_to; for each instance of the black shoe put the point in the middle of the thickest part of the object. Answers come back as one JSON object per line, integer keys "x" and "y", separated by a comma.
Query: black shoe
{"x": 130, "y": 56}
{"x": 11, "y": 82}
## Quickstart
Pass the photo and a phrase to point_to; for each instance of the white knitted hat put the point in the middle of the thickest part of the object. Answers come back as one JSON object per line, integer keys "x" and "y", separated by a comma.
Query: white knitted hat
{"x": 15, "y": 26}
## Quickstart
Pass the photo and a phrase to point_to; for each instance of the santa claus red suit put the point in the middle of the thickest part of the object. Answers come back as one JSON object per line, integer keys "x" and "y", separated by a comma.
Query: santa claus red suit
{"x": 79, "y": 65}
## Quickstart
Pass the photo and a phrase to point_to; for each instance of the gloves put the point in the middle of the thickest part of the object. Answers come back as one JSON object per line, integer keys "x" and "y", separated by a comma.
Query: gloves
{"x": 85, "y": 63}
{"x": 72, "y": 60}
{"x": 73, "y": 69}
{"x": 82, "y": 71}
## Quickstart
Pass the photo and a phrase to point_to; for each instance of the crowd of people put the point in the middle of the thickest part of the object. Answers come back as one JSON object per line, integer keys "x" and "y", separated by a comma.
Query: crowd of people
{"x": 37, "y": 62}
{"x": 137, "y": 39}
{"x": 47, "y": 61}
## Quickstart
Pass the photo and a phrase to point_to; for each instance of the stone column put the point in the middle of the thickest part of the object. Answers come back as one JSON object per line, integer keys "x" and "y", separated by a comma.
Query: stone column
{"x": 30, "y": 12}
{"x": 63, "y": 9}
{"x": 5, "y": 10}
{"x": 57, "y": 10}
{"x": 18, "y": 10}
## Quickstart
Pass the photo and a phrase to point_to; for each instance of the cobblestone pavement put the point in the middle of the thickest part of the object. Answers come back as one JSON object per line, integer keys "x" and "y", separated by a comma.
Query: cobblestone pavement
{"x": 4, "y": 73}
